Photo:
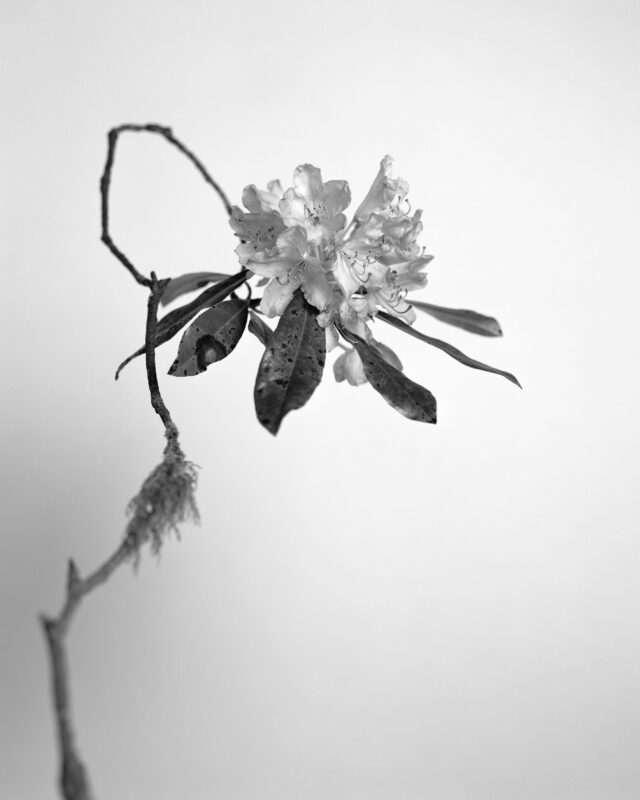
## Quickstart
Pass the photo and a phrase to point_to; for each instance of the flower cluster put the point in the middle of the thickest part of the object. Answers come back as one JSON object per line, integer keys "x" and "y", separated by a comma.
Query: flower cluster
{"x": 300, "y": 239}
{"x": 324, "y": 279}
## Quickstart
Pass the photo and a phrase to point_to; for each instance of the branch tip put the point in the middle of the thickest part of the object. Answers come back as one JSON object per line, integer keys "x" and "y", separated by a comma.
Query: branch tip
{"x": 46, "y": 622}
{"x": 73, "y": 577}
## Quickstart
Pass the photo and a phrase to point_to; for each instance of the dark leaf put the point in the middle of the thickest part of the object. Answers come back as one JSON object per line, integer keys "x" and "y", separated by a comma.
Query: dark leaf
{"x": 210, "y": 337}
{"x": 448, "y": 348}
{"x": 407, "y": 397}
{"x": 175, "y": 320}
{"x": 462, "y": 318}
{"x": 259, "y": 328}
{"x": 292, "y": 364}
{"x": 189, "y": 282}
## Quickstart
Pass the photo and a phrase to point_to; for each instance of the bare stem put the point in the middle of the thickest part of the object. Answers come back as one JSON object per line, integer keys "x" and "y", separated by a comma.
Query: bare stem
{"x": 165, "y": 499}
{"x": 157, "y": 402}
{"x": 74, "y": 780}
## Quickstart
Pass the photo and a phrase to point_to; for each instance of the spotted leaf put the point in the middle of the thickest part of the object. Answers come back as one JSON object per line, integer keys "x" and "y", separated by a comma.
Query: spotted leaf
{"x": 410, "y": 399}
{"x": 292, "y": 364}
{"x": 175, "y": 320}
{"x": 210, "y": 337}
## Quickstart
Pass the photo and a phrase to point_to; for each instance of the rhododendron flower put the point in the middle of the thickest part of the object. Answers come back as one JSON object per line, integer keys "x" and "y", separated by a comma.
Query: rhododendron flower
{"x": 386, "y": 194}
{"x": 299, "y": 239}
{"x": 257, "y": 200}
{"x": 315, "y": 205}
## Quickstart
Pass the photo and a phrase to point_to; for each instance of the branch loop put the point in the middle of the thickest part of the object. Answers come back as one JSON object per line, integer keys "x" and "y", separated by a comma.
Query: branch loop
{"x": 105, "y": 186}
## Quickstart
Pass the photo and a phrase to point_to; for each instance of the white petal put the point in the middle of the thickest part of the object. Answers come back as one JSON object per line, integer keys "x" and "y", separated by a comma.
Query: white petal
{"x": 409, "y": 316}
{"x": 400, "y": 309}
{"x": 250, "y": 199}
{"x": 307, "y": 181}
{"x": 260, "y": 228}
{"x": 348, "y": 366}
{"x": 331, "y": 225}
{"x": 363, "y": 305}
{"x": 372, "y": 201}
{"x": 316, "y": 288}
{"x": 275, "y": 187}
{"x": 410, "y": 276}
{"x": 292, "y": 208}
{"x": 271, "y": 267}
{"x": 276, "y": 296}
{"x": 337, "y": 196}
{"x": 292, "y": 242}
{"x": 354, "y": 371}
{"x": 385, "y": 195}
{"x": 344, "y": 275}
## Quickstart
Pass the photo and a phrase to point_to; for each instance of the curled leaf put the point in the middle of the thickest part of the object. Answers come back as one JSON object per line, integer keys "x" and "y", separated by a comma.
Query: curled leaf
{"x": 189, "y": 282}
{"x": 447, "y": 348}
{"x": 462, "y": 318}
{"x": 410, "y": 399}
{"x": 292, "y": 364}
{"x": 210, "y": 337}
{"x": 175, "y": 320}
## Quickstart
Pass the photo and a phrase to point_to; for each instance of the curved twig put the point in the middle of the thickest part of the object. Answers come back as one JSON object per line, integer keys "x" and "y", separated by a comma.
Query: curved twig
{"x": 105, "y": 186}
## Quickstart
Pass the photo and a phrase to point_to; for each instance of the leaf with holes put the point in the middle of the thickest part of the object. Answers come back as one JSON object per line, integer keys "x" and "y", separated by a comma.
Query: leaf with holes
{"x": 462, "y": 318}
{"x": 259, "y": 328}
{"x": 189, "y": 282}
{"x": 292, "y": 364}
{"x": 210, "y": 338}
{"x": 449, "y": 349}
{"x": 175, "y": 320}
{"x": 410, "y": 399}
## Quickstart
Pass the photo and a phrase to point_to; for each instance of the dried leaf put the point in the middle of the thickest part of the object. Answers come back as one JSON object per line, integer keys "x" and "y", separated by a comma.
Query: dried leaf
{"x": 409, "y": 398}
{"x": 189, "y": 282}
{"x": 462, "y": 318}
{"x": 448, "y": 348}
{"x": 210, "y": 338}
{"x": 292, "y": 364}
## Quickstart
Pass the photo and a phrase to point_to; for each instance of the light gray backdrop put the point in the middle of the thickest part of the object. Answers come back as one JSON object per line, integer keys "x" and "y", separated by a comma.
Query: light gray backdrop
{"x": 372, "y": 609}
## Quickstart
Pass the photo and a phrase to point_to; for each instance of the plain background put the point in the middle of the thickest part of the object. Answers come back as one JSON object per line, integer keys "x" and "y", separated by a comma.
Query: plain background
{"x": 371, "y": 609}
